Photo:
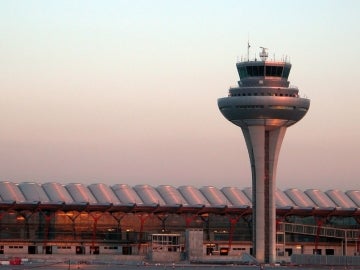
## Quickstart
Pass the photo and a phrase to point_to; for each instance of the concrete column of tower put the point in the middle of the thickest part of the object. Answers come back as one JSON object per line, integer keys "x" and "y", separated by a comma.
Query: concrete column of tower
{"x": 257, "y": 137}
{"x": 264, "y": 147}
{"x": 275, "y": 141}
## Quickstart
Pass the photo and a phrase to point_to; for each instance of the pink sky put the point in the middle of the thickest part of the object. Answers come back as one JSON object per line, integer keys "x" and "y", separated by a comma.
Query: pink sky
{"x": 126, "y": 92}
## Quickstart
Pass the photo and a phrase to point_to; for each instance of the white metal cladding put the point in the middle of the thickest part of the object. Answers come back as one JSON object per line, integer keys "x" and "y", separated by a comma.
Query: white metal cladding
{"x": 354, "y": 195}
{"x": 168, "y": 195}
{"x": 80, "y": 193}
{"x": 33, "y": 192}
{"x": 340, "y": 198}
{"x": 149, "y": 195}
{"x": 10, "y": 192}
{"x": 193, "y": 196}
{"x": 299, "y": 198}
{"x": 214, "y": 196}
{"x": 281, "y": 200}
{"x": 126, "y": 194}
{"x": 171, "y": 195}
{"x": 57, "y": 193}
{"x": 236, "y": 196}
{"x": 320, "y": 198}
{"x": 248, "y": 192}
{"x": 103, "y": 193}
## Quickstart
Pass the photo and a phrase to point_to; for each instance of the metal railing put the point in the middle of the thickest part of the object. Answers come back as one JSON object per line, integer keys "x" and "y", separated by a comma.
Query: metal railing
{"x": 348, "y": 234}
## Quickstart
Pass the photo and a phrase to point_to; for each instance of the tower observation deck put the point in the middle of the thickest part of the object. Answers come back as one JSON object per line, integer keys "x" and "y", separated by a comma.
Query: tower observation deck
{"x": 264, "y": 105}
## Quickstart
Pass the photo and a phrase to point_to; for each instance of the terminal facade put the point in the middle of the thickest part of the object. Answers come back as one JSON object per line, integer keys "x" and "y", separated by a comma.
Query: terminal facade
{"x": 78, "y": 219}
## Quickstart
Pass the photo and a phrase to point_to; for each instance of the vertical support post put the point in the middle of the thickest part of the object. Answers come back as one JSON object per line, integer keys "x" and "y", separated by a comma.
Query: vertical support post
{"x": 95, "y": 218}
{"x": 206, "y": 219}
{"x": 346, "y": 244}
{"x": 142, "y": 218}
{"x": 47, "y": 216}
{"x": 118, "y": 219}
{"x": 26, "y": 215}
{"x": 72, "y": 216}
{"x": 358, "y": 244}
{"x": 233, "y": 220}
{"x": 280, "y": 230}
{"x": 188, "y": 219}
{"x": 163, "y": 218}
{"x": 319, "y": 225}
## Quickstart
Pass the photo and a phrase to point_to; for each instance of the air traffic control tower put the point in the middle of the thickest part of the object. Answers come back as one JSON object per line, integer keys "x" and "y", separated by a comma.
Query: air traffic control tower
{"x": 263, "y": 105}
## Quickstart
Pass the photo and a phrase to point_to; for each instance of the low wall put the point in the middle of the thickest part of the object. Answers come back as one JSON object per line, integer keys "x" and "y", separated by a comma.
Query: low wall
{"x": 325, "y": 260}
{"x": 244, "y": 258}
{"x": 165, "y": 257}
{"x": 101, "y": 259}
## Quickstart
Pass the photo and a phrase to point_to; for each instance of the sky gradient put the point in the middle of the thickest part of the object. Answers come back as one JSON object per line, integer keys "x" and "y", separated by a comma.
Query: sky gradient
{"x": 126, "y": 91}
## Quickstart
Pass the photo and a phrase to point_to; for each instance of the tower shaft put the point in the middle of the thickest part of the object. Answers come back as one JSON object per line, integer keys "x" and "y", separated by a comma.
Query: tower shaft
{"x": 264, "y": 147}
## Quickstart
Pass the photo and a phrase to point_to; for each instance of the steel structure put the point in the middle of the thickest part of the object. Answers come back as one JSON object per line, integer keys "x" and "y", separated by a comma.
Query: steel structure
{"x": 42, "y": 216}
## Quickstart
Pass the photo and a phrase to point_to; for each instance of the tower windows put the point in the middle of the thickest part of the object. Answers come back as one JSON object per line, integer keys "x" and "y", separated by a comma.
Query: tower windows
{"x": 274, "y": 71}
{"x": 261, "y": 70}
{"x": 233, "y": 93}
{"x": 280, "y": 107}
{"x": 255, "y": 71}
{"x": 250, "y": 106}
{"x": 286, "y": 72}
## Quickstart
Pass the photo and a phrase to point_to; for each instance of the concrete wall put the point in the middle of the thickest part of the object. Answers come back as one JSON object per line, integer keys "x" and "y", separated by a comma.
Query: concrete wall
{"x": 165, "y": 256}
{"x": 325, "y": 260}
{"x": 194, "y": 243}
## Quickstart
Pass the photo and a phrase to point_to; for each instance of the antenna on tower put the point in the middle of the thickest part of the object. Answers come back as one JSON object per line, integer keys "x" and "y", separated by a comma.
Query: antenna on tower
{"x": 263, "y": 54}
{"x": 248, "y": 50}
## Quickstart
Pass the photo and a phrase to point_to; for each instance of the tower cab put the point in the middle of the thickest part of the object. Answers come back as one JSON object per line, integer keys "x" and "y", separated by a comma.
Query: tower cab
{"x": 263, "y": 72}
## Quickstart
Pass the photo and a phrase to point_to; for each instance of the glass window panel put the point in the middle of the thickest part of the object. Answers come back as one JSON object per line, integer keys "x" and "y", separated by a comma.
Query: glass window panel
{"x": 249, "y": 70}
{"x": 286, "y": 72}
{"x": 261, "y": 71}
{"x": 278, "y": 71}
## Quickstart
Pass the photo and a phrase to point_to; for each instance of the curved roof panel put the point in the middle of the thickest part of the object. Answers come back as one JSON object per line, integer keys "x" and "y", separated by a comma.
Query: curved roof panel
{"x": 236, "y": 196}
{"x": 33, "y": 192}
{"x": 149, "y": 195}
{"x": 340, "y": 199}
{"x": 354, "y": 195}
{"x": 281, "y": 200}
{"x": 320, "y": 198}
{"x": 57, "y": 193}
{"x": 126, "y": 194}
{"x": 171, "y": 195}
{"x": 10, "y": 192}
{"x": 193, "y": 196}
{"x": 299, "y": 198}
{"x": 215, "y": 196}
{"x": 80, "y": 193}
{"x": 248, "y": 192}
{"x": 103, "y": 194}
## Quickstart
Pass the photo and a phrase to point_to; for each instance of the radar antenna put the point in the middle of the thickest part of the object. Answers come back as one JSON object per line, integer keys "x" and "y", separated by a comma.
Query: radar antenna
{"x": 263, "y": 54}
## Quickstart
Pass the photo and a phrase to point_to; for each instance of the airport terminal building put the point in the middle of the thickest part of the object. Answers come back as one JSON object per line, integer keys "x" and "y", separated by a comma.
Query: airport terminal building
{"x": 177, "y": 223}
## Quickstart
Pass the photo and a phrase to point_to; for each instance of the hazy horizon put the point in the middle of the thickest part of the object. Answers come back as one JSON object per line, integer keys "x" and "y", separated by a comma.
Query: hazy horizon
{"x": 126, "y": 91}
